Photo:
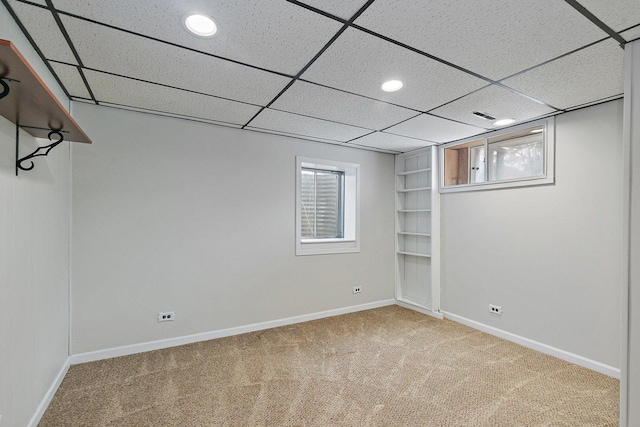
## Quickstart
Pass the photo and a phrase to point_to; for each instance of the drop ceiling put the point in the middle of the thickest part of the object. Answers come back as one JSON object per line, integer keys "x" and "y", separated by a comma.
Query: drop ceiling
{"x": 313, "y": 69}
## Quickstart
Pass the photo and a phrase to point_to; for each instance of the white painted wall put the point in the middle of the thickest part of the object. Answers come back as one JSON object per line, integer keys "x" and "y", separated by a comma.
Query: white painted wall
{"x": 34, "y": 261}
{"x": 176, "y": 215}
{"x": 549, "y": 255}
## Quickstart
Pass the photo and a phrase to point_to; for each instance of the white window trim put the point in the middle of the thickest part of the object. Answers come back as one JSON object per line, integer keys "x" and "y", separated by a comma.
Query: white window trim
{"x": 548, "y": 174}
{"x": 351, "y": 240}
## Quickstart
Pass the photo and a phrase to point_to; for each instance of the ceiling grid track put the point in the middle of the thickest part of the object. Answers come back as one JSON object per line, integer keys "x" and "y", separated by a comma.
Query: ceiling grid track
{"x": 72, "y": 47}
{"x": 35, "y": 46}
{"x": 304, "y": 109}
{"x": 346, "y": 24}
{"x": 591, "y": 17}
{"x": 155, "y": 39}
{"x": 306, "y": 67}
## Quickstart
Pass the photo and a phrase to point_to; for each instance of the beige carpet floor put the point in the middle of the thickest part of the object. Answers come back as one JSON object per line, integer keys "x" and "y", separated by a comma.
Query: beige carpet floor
{"x": 382, "y": 367}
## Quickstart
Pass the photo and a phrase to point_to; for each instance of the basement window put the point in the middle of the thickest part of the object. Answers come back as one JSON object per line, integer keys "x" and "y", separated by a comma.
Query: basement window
{"x": 519, "y": 156}
{"x": 327, "y": 205}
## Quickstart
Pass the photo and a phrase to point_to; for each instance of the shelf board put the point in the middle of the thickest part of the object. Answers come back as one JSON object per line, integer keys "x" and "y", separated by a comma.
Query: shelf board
{"x": 407, "y": 233}
{"x": 408, "y": 190}
{"x": 414, "y": 210}
{"x": 413, "y": 172}
{"x": 414, "y": 254}
{"x": 30, "y": 104}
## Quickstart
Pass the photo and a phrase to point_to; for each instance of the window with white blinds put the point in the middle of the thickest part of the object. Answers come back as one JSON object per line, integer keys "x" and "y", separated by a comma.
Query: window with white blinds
{"x": 327, "y": 206}
{"x": 322, "y": 204}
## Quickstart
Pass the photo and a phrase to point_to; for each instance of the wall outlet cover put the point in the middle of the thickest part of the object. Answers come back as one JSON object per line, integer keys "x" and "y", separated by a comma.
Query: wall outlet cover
{"x": 167, "y": 316}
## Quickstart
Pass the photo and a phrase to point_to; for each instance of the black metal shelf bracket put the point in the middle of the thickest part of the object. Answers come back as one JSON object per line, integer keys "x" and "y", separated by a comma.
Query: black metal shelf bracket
{"x": 40, "y": 151}
{"x": 5, "y": 88}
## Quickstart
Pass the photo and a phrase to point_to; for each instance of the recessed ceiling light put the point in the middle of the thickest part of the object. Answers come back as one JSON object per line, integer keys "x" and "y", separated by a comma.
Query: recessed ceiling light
{"x": 200, "y": 25}
{"x": 503, "y": 122}
{"x": 391, "y": 86}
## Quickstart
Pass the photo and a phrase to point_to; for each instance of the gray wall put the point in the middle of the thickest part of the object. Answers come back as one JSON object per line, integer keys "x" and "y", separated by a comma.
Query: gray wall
{"x": 34, "y": 261}
{"x": 200, "y": 219}
{"x": 549, "y": 255}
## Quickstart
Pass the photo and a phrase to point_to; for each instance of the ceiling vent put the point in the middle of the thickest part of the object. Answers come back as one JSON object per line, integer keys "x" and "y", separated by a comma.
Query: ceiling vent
{"x": 484, "y": 115}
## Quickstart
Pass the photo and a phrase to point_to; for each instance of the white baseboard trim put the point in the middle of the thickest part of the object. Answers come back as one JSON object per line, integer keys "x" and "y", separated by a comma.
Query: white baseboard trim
{"x": 205, "y": 336}
{"x": 417, "y": 307}
{"x": 535, "y": 345}
{"x": 44, "y": 404}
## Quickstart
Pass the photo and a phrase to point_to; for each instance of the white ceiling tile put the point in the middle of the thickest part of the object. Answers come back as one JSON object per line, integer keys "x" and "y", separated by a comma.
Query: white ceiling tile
{"x": 495, "y": 101}
{"x": 120, "y": 90}
{"x": 359, "y": 62}
{"x": 590, "y": 74}
{"x": 294, "y": 124}
{"x": 617, "y": 14}
{"x": 329, "y": 104}
{"x": 71, "y": 79}
{"x": 272, "y": 34}
{"x": 434, "y": 129}
{"x": 632, "y": 34}
{"x": 344, "y": 9}
{"x": 390, "y": 142}
{"x": 486, "y": 37}
{"x": 44, "y": 30}
{"x": 121, "y": 53}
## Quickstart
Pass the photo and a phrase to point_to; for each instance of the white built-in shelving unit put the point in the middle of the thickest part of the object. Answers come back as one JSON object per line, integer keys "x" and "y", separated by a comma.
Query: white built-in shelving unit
{"x": 418, "y": 231}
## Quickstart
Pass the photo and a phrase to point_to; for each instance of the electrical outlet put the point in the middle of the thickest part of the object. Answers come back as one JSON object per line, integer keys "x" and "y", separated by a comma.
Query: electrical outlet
{"x": 168, "y": 316}
{"x": 357, "y": 289}
{"x": 495, "y": 309}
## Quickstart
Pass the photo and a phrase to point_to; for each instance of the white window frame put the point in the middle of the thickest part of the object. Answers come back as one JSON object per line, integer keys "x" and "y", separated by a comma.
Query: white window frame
{"x": 548, "y": 168}
{"x": 351, "y": 240}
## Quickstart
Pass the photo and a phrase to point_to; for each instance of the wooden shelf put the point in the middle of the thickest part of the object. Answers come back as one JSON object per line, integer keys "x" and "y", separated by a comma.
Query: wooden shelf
{"x": 29, "y": 103}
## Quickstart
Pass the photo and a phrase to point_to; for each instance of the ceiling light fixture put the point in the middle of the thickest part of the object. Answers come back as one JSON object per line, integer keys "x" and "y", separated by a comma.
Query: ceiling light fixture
{"x": 537, "y": 131}
{"x": 200, "y": 25}
{"x": 391, "y": 86}
{"x": 503, "y": 122}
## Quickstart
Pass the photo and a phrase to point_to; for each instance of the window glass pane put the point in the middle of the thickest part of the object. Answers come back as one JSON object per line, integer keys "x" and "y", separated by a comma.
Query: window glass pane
{"x": 521, "y": 156}
{"x": 308, "y": 204}
{"x": 476, "y": 154}
{"x": 327, "y": 205}
{"x": 321, "y": 204}
{"x": 464, "y": 164}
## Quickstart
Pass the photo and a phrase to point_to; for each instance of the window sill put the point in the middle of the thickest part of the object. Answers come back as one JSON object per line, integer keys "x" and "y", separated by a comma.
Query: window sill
{"x": 495, "y": 185}
{"x": 327, "y": 246}
{"x": 329, "y": 240}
